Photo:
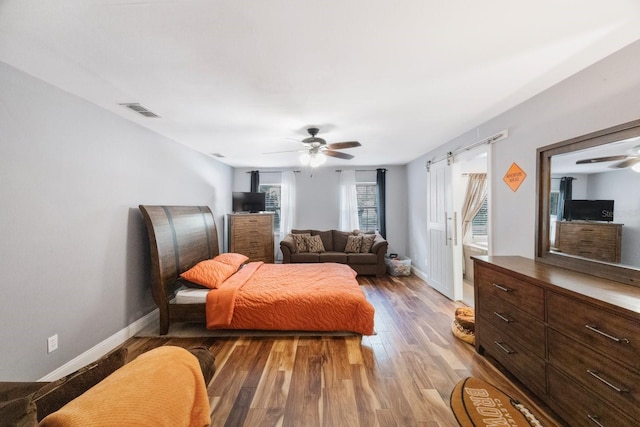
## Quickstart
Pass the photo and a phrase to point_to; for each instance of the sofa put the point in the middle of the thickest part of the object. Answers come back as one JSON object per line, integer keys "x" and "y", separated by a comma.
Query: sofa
{"x": 337, "y": 246}
{"x": 110, "y": 391}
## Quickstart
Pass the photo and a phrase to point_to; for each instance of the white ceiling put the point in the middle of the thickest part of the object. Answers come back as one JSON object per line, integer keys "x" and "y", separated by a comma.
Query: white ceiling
{"x": 242, "y": 78}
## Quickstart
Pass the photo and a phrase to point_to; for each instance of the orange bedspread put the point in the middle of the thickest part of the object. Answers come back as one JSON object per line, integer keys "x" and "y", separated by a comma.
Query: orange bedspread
{"x": 291, "y": 297}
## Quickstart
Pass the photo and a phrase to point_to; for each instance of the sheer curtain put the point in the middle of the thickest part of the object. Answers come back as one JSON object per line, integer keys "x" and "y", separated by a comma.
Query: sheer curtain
{"x": 348, "y": 202}
{"x": 476, "y": 193}
{"x": 287, "y": 208}
{"x": 287, "y": 201}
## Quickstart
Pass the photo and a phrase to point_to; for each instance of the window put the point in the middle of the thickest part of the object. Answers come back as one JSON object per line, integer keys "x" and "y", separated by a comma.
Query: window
{"x": 367, "y": 208}
{"x": 272, "y": 202}
{"x": 479, "y": 230}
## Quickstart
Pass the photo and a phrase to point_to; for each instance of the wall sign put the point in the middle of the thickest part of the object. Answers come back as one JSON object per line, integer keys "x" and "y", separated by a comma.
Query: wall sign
{"x": 514, "y": 177}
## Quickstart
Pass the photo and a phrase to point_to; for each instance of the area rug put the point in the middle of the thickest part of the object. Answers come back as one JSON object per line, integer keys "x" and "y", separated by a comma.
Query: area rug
{"x": 476, "y": 403}
{"x": 197, "y": 330}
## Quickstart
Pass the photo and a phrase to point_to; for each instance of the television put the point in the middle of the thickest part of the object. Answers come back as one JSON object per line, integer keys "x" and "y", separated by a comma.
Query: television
{"x": 248, "y": 201}
{"x": 588, "y": 210}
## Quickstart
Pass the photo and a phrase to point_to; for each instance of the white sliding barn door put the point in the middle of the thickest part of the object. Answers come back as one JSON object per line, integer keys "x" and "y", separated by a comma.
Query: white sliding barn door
{"x": 440, "y": 229}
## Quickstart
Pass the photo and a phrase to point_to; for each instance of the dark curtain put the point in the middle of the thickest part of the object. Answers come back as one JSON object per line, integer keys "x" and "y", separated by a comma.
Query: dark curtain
{"x": 381, "y": 201}
{"x": 255, "y": 181}
{"x": 565, "y": 194}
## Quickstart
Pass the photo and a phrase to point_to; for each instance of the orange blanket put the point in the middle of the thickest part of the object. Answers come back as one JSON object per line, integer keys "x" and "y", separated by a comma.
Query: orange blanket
{"x": 291, "y": 297}
{"x": 163, "y": 387}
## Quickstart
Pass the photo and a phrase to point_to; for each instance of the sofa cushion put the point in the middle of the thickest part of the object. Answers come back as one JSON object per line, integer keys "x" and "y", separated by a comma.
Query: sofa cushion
{"x": 314, "y": 244}
{"x": 362, "y": 258}
{"x": 20, "y": 412}
{"x": 339, "y": 257}
{"x": 300, "y": 242}
{"x": 305, "y": 257}
{"x": 353, "y": 244}
{"x": 340, "y": 240}
{"x": 56, "y": 394}
{"x": 294, "y": 231}
{"x": 326, "y": 237}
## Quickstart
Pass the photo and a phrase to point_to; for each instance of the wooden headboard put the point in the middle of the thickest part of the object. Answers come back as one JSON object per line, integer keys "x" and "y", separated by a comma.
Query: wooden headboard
{"x": 179, "y": 238}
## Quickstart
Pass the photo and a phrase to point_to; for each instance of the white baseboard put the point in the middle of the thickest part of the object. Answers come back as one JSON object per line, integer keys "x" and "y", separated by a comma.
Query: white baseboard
{"x": 102, "y": 348}
{"x": 419, "y": 273}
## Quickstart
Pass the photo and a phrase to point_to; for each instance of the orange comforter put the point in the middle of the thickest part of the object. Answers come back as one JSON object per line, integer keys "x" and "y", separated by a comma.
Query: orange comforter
{"x": 291, "y": 297}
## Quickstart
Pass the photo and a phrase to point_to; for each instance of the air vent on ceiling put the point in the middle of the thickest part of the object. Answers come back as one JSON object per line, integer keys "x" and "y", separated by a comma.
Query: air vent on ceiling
{"x": 140, "y": 110}
{"x": 217, "y": 155}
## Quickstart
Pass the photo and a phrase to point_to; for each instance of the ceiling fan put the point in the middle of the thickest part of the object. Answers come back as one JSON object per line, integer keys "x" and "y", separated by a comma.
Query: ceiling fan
{"x": 624, "y": 160}
{"x": 316, "y": 149}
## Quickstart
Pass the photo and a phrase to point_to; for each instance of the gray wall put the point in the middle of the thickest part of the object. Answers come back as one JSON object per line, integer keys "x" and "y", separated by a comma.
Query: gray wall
{"x": 318, "y": 199}
{"x": 603, "y": 95}
{"x": 74, "y": 250}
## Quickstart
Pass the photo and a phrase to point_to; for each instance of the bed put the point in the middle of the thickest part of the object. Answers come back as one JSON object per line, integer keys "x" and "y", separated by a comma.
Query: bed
{"x": 259, "y": 296}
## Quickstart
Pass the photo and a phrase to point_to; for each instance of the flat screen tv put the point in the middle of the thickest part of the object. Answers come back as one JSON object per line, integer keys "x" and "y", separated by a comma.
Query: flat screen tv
{"x": 589, "y": 210}
{"x": 248, "y": 201}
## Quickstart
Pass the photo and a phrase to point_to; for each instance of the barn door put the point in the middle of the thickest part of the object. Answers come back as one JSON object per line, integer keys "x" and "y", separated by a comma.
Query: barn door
{"x": 441, "y": 228}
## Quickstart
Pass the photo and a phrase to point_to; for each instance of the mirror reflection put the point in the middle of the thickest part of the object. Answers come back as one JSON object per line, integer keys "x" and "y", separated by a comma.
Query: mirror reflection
{"x": 594, "y": 203}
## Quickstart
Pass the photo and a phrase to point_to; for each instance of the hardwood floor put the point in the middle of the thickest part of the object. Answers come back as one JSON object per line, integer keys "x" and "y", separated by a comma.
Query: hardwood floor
{"x": 402, "y": 376}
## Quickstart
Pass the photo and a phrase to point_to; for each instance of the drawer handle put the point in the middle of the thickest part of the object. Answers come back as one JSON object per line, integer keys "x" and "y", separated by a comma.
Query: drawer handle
{"x": 502, "y": 288}
{"x": 503, "y": 348}
{"x": 594, "y": 419}
{"x": 597, "y": 376}
{"x": 501, "y": 317}
{"x": 611, "y": 337}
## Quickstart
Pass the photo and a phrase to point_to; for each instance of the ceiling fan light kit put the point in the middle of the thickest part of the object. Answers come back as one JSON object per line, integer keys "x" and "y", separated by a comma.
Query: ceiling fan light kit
{"x": 316, "y": 149}
{"x": 313, "y": 159}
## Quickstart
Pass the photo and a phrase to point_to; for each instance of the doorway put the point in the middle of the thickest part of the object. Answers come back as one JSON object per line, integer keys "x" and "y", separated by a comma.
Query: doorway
{"x": 475, "y": 237}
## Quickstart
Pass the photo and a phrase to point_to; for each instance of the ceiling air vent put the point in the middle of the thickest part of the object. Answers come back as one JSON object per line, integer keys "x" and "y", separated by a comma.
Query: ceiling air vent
{"x": 217, "y": 155}
{"x": 140, "y": 110}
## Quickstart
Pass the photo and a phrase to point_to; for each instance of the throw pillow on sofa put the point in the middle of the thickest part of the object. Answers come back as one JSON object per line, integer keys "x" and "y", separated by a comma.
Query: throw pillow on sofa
{"x": 367, "y": 242}
{"x": 300, "y": 242}
{"x": 314, "y": 244}
{"x": 354, "y": 243}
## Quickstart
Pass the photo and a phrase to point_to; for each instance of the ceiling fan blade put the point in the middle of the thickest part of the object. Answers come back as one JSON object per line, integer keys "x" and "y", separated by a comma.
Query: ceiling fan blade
{"x": 342, "y": 145}
{"x": 630, "y": 161}
{"x": 337, "y": 154}
{"x": 601, "y": 159}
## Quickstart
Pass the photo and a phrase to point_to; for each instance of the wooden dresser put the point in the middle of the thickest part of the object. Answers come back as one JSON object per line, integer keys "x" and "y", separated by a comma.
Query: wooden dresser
{"x": 252, "y": 235}
{"x": 571, "y": 338}
{"x": 594, "y": 240}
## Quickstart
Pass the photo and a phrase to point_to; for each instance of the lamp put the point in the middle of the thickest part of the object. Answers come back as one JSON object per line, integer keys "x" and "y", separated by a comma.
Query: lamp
{"x": 313, "y": 159}
{"x": 636, "y": 167}
{"x": 305, "y": 159}
{"x": 317, "y": 160}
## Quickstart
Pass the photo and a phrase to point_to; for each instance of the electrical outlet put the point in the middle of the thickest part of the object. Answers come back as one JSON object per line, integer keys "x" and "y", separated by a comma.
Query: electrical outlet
{"x": 52, "y": 343}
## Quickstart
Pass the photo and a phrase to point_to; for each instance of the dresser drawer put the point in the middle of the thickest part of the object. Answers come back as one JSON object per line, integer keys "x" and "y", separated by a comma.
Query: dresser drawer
{"x": 618, "y": 384}
{"x": 512, "y": 355}
{"x": 580, "y": 407}
{"x": 518, "y": 324}
{"x": 605, "y": 331}
{"x": 523, "y": 295}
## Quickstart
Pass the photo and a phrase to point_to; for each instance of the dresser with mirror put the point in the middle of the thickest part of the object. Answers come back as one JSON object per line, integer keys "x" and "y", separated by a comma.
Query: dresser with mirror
{"x": 567, "y": 323}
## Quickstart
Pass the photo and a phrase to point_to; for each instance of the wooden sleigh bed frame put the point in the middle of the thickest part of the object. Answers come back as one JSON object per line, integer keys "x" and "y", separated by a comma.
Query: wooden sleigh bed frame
{"x": 257, "y": 296}
{"x": 179, "y": 238}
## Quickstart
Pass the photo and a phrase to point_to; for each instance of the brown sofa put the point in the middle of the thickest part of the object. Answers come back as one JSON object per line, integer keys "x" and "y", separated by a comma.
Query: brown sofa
{"x": 334, "y": 242}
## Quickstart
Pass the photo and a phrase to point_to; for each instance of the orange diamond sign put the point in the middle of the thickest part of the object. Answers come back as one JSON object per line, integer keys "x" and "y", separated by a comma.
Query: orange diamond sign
{"x": 514, "y": 177}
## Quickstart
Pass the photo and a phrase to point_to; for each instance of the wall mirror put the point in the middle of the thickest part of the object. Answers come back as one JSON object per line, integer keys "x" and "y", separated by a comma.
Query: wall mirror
{"x": 588, "y": 204}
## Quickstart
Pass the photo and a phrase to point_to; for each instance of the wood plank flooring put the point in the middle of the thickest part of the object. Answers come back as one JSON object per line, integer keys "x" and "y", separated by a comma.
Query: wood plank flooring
{"x": 402, "y": 376}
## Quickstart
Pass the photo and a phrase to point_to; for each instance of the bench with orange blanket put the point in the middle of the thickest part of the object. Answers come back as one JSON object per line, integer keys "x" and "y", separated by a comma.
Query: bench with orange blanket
{"x": 163, "y": 387}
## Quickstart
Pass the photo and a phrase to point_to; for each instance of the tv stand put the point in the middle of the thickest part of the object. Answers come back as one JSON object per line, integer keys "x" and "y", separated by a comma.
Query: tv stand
{"x": 590, "y": 239}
